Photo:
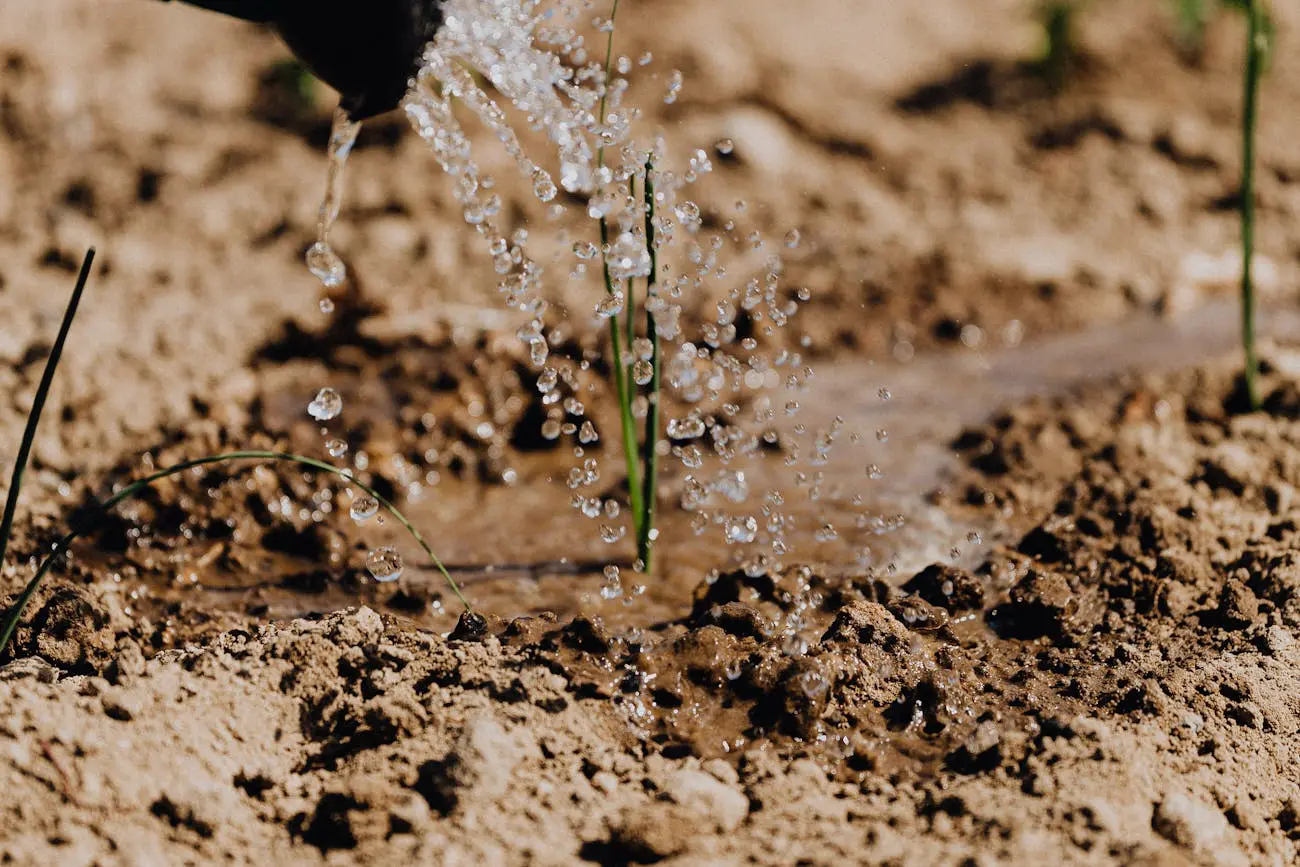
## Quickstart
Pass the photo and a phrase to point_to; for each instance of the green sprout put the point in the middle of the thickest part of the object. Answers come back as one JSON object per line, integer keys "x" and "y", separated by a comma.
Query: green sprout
{"x": 11, "y": 619}
{"x": 1058, "y": 19}
{"x": 1258, "y": 42}
{"x": 642, "y": 478}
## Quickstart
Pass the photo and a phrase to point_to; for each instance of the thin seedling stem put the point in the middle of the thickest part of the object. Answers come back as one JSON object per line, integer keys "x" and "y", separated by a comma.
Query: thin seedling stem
{"x": 38, "y": 404}
{"x": 621, "y": 384}
{"x": 645, "y": 532}
{"x": 131, "y": 490}
{"x": 1255, "y": 49}
{"x": 624, "y": 381}
{"x": 1058, "y": 33}
{"x": 609, "y": 68}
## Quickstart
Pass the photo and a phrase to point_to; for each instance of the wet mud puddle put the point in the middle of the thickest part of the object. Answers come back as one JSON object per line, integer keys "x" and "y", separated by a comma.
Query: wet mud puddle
{"x": 523, "y": 549}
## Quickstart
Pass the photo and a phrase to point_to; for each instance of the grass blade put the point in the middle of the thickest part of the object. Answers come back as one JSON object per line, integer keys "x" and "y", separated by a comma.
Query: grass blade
{"x": 131, "y": 490}
{"x": 1256, "y": 46}
{"x": 38, "y": 404}
{"x": 623, "y": 385}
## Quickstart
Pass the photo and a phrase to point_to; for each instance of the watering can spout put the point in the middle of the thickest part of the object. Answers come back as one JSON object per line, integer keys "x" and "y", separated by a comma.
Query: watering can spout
{"x": 367, "y": 50}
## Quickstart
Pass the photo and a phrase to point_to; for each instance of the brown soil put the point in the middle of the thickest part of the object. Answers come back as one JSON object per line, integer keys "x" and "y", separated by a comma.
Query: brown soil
{"x": 1111, "y": 679}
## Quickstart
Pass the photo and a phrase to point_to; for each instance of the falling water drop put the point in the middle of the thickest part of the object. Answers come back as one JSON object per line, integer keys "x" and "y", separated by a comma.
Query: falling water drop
{"x": 326, "y": 405}
{"x": 328, "y": 268}
{"x": 364, "y": 508}
{"x": 610, "y": 306}
{"x": 543, "y": 186}
{"x": 385, "y": 564}
{"x": 628, "y": 258}
{"x": 742, "y": 530}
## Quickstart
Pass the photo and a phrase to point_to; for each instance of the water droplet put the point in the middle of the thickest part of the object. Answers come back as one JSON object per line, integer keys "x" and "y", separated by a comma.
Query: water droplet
{"x": 326, "y": 305}
{"x": 587, "y": 433}
{"x": 628, "y": 258}
{"x": 691, "y": 456}
{"x": 575, "y": 177}
{"x": 732, "y": 485}
{"x": 326, "y": 405}
{"x": 610, "y": 306}
{"x": 882, "y": 435}
{"x": 543, "y": 186}
{"x": 326, "y": 265}
{"x": 601, "y": 205}
{"x": 885, "y": 394}
{"x": 538, "y": 352}
{"x": 724, "y": 146}
{"x": 364, "y": 508}
{"x": 336, "y": 448}
{"x": 385, "y": 564}
{"x": 792, "y": 239}
{"x": 742, "y": 530}
{"x": 686, "y": 428}
{"x": 675, "y": 81}
{"x": 642, "y": 372}
{"x": 585, "y": 250}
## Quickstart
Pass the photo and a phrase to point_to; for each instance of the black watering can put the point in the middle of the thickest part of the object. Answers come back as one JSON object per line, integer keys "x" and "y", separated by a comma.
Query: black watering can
{"x": 367, "y": 50}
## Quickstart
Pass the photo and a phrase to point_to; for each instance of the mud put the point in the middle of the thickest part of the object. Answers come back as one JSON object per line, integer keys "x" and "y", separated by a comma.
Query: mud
{"x": 1079, "y": 647}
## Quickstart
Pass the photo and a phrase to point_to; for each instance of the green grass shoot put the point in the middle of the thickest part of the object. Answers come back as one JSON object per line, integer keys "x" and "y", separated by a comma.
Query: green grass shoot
{"x": 38, "y": 405}
{"x": 1058, "y": 19}
{"x": 1258, "y": 33}
{"x": 641, "y": 455}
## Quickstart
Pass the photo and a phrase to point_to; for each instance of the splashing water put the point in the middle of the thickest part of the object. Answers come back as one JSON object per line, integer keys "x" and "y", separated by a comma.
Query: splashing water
{"x": 720, "y": 383}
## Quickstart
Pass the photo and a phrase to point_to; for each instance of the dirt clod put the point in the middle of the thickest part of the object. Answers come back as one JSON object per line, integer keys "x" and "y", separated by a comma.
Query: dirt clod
{"x": 948, "y": 587}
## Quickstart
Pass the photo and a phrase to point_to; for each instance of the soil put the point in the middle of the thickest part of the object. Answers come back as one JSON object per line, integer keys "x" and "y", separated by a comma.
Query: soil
{"x": 1103, "y": 669}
